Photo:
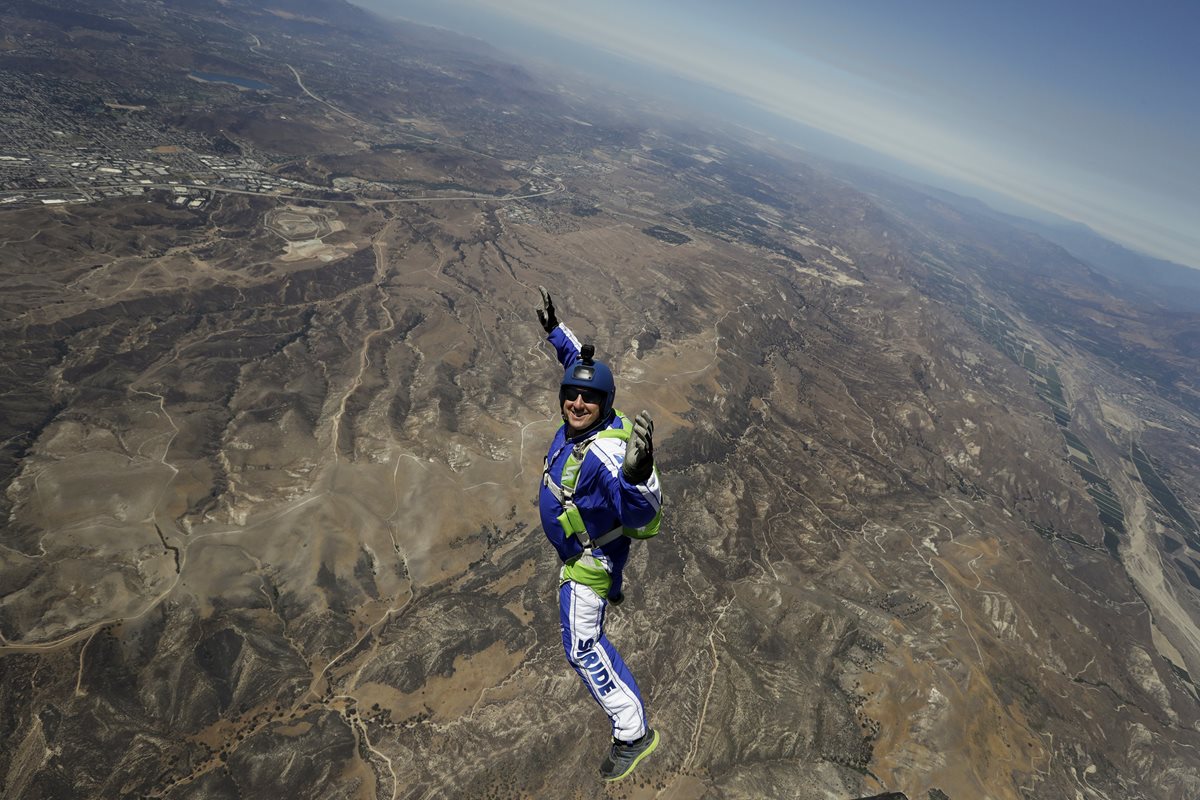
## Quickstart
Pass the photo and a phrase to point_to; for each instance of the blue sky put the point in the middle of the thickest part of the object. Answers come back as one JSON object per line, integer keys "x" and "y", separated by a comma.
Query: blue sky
{"x": 1090, "y": 110}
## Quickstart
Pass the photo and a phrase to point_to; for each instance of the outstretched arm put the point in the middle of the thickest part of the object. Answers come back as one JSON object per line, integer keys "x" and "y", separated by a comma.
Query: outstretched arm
{"x": 566, "y": 345}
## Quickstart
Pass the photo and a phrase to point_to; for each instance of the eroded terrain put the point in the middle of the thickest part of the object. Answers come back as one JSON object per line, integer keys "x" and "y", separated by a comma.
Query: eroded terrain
{"x": 270, "y": 459}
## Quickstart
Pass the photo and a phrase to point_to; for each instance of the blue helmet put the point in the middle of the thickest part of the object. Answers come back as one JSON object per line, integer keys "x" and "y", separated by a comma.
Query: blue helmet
{"x": 587, "y": 373}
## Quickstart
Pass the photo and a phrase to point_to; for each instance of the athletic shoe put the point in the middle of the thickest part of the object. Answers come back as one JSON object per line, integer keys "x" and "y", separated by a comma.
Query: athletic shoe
{"x": 624, "y": 756}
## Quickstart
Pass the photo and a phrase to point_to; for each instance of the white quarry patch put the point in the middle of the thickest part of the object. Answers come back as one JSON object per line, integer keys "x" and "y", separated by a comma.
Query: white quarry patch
{"x": 303, "y": 231}
{"x": 928, "y": 718}
{"x": 1001, "y": 614}
{"x": 458, "y": 458}
{"x": 1141, "y": 669}
{"x": 496, "y": 451}
{"x": 632, "y": 372}
{"x": 962, "y": 459}
{"x": 832, "y": 275}
{"x": 832, "y": 250}
{"x": 308, "y": 248}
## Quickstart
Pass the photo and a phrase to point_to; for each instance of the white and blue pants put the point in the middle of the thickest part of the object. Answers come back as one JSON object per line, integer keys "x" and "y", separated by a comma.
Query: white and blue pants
{"x": 600, "y": 666}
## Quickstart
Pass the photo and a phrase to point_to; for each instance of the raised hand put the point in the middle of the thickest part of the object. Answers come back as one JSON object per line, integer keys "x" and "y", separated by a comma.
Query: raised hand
{"x": 546, "y": 312}
{"x": 639, "y": 450}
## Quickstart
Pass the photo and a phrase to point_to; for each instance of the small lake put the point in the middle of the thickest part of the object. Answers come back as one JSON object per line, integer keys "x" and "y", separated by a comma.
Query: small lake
{"x": 216, "y": 77}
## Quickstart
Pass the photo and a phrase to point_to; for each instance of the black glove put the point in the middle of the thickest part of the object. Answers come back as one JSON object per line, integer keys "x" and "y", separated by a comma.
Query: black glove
{"x": 639, "y": 450}
{"x": 546, "y": 312}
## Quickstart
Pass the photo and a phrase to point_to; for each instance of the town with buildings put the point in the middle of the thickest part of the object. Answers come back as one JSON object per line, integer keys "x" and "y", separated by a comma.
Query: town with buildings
{"x": 60, "y": 145}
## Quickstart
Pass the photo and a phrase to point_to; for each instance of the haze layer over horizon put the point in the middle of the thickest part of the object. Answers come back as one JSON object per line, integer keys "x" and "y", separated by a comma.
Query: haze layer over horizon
{"x": 1085, "y": 110}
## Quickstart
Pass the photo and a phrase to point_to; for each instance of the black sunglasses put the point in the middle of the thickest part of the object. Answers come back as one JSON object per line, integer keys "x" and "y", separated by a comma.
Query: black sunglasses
{"x": 569, "y": 393}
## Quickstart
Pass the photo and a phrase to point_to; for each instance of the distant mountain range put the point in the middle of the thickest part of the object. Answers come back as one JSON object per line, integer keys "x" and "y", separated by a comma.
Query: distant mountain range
{"x": 1166, "y": 283}
{"x": 1169, "y": 283}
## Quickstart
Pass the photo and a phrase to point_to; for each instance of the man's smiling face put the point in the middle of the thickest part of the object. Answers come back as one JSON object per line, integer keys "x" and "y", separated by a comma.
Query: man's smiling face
{"x": 581, "y": 408}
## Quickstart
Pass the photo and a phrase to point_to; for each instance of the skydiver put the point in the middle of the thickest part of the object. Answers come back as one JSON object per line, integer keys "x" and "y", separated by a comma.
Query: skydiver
{"x": 599, "y": 490}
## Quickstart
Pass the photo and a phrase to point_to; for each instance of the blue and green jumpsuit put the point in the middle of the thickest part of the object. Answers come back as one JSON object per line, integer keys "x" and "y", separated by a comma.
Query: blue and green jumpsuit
{"x": 606, "y": 500}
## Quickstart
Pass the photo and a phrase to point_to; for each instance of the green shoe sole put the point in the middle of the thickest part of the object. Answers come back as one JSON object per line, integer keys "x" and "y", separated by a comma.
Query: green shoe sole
{"x": 638, "y": 760}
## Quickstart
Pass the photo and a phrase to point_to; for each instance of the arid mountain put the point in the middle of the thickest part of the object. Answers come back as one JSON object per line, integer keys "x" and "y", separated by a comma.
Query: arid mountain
{"x": 275, "y": 404}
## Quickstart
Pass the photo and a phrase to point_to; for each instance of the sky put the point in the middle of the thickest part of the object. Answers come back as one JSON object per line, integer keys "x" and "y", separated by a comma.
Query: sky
{"x": 1088, "y": 109}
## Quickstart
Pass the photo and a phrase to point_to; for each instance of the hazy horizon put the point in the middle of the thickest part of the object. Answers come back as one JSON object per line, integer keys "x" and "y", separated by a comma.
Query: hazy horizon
{"x": 1080, "y": 110}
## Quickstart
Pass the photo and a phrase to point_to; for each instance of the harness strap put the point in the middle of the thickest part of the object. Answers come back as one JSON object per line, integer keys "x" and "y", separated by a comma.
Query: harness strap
{"x": 611, "y": 536}
{"x": 565, "y": 495}
{"x": 554, "y": 488}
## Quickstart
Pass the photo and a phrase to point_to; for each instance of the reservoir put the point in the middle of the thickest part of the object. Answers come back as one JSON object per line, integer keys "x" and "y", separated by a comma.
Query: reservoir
{"x": 234, "y": 80}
